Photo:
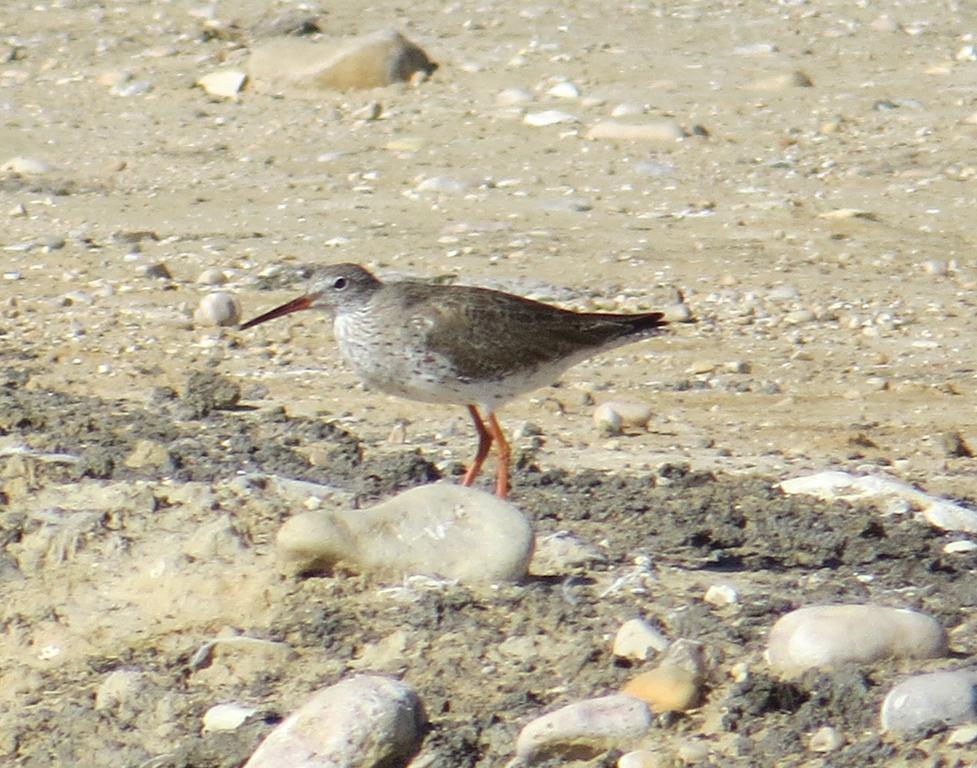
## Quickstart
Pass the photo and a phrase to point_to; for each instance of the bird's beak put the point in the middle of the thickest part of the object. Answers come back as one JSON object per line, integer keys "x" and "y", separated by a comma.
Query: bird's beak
{"x": 302, "y": 302}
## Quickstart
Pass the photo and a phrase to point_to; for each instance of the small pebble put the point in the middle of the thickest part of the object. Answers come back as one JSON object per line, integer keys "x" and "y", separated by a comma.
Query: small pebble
{"x": 220, "y": 309}
{"x": 584, "y": 729}
{"x": 442, "y": 184}
{"x": 25, "y": 166}
{"x": 796, "y": 79}
{"x": 675, "y": 685}
{"x": 226, "y": 717}
{"x": 367, "y": 720}
{"x": 824, "y": 636}
{"x": 510, "y": 97}
{"x": 665, "y": 130}
{"x": 564, "y": 90}
{"x": 721, "y": 595}
{"x": 826, "y": 739}
{"x": 692, "y": 751}
{"x": 441, "y": 530}
{"x": 640, "y": 758}
{"x": 613, "y": 416}
{"x": 213, "y": 277}
{"x": 799, "y": 316}
{"x": 628, "y": 109}
{"x": 226, "y": 84}
{"x": 960, "y": 547}
{"x": 637, "y": 639}
{"x": 158, "y": 271}
{"x": 548, "y": 117}
{"x": 965, "y": 734}
{"x": 944, "y": 697}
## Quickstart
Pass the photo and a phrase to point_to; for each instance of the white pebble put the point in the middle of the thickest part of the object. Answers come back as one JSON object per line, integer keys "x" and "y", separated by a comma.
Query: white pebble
{"x": 585, "y": 728}
{"x": 613, "y": 416}
{"x": 965, "y": 734}
{"x": 823, "y": 636}
{"x": 510, "y": 97}
{"x": 362, "y": 721}
{"x": 799, "y": 316}
{"x": 442, "y": 530}
{"x": 548, "y": 117}
{"x": 721, "y": 595}
{"x": 219, "y": 308}
{"x": 638, "y": 640}
{"x": 226, "y": 84}
{"x": 936, "y": 267}
{"x": 564, "y": 90}
{"x": 664, "y": 130}
{"x": 946, "y": 697}
{"x": 628, "y": 109}
{"x": 959, "y": 547}
{"x": 25, "y": 166}
{"x": 226, "y": 717}
{"x": 640, "y": 758}
{"x": 826, "y": 739}
{"x": 212, "y": 277}
{"x": 442, "y": 184}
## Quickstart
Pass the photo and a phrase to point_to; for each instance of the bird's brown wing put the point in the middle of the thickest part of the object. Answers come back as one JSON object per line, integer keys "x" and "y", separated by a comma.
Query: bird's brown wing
{"x": 488, "y": 334}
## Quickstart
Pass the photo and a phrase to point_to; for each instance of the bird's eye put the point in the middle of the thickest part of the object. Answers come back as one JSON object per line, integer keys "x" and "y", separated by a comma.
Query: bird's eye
{"x": 340, "y": 284}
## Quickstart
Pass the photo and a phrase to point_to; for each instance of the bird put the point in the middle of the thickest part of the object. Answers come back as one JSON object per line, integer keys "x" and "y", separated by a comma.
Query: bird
{"x": 458, "y": 345}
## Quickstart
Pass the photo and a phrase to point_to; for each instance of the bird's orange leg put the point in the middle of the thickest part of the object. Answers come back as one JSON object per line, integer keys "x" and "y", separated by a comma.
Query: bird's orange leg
{"x": 502, "y": 446}
{"x": 484, "y": 444}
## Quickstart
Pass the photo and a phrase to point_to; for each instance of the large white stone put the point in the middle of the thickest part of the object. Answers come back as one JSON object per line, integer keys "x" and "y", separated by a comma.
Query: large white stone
{"x": 442, "y": 530}
{"x": 823, "y": 636}
{"x": 362, "y": 722}
{"x": 584, "y": 728}
{"x": 944, "y": 697}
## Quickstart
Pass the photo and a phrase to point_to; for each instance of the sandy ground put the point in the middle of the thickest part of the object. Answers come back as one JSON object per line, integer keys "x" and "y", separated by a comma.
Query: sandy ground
{"x": 817, "y": 217}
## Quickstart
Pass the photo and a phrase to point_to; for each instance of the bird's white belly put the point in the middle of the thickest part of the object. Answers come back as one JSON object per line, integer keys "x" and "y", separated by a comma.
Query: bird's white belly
{"x": 384, "y": 359}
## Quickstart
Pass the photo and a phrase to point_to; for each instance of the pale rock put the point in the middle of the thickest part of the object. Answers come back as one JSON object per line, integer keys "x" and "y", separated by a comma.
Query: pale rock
{"x": 226, "y": 84}
{"x": 824, "y": 636}
{"x": 361, "y": 722}
{"x": 692, "y": 752}
{"x": 944, "y": 697}
{"x": 959, "y": 547}
{"x": 548, "y": 117}
{"x": 511, "y": 97}
{"x": 628, "y": 109}
{"x": 122, "y": 691}
{"x": 219, "y": 308}
{"x": 226, "y": 717}
{"x": 664, "y": 130}
{"x": 564, "y": 90}
{"x": 442, "y": 184}
{"x": 212, "y": 277}
{"x": 638, "y": 640}
{"x": 826, "y": 739}
{"x": 965, "y": 734}
{"x": 560, "y": 552}
{"x": 217, "y": 539}
{"x": 888, "y": 492}
{"x": 675, "y": 685}
{"x": 26, "y": 166}
{"x": 641, "y": 758}
{"x": 677, "y": 313}
{"x": 584, "y": 728}
{"x": 613, "y": 416}
{"x": 721, "y": 595}
{"x": 799, "y": 317}
{"x": 148, "y": 453}
{"x": 796, "y": 79}
{"x": 442, "y": 530}
{"x": 375, "y": 60}
{"x": 239, "y": 659}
